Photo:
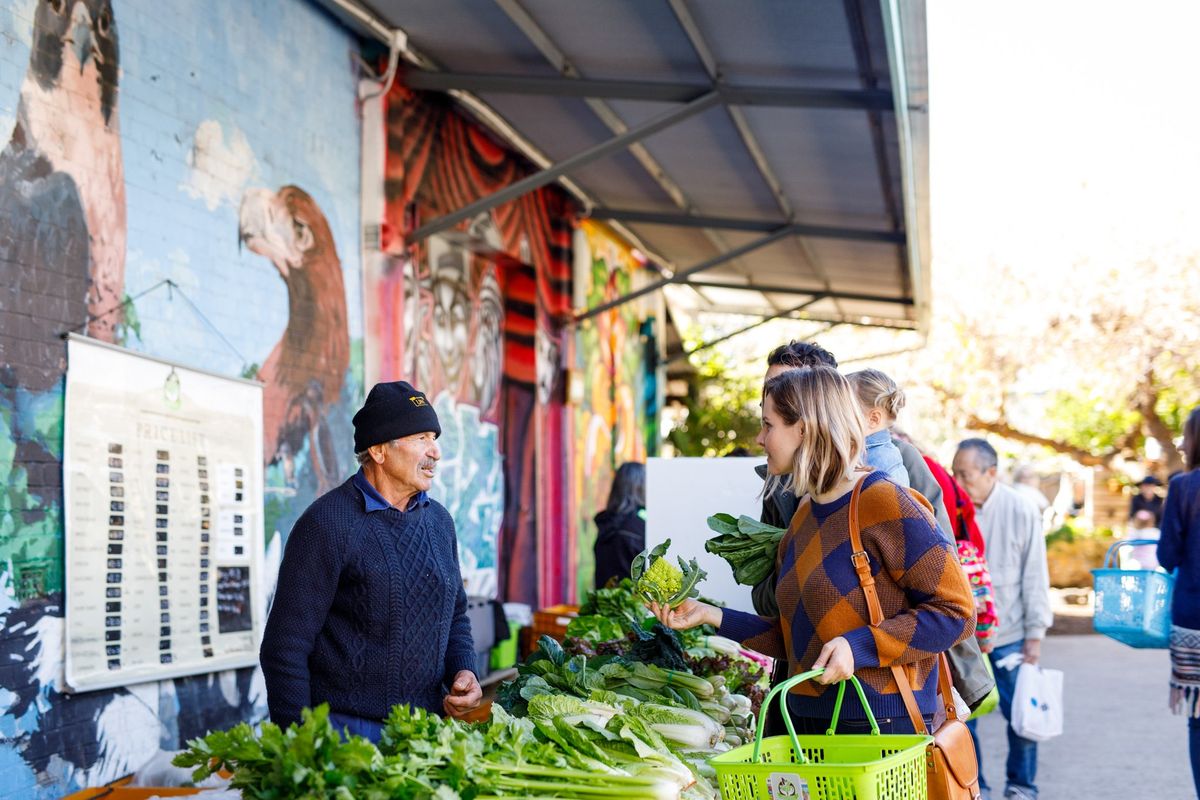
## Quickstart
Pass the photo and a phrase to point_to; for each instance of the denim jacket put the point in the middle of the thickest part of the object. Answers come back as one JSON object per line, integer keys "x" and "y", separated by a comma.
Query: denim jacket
{"x": 885, "y": 456}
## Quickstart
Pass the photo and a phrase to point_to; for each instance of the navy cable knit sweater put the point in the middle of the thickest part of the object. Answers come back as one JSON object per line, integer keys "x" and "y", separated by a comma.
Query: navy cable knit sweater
{"x": 369, "y": 610}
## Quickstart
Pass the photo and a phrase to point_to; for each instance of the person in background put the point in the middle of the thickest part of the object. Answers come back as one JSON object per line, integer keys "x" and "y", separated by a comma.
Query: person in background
{"x": 1147, "y": 499}
{"x": 812, "y": 431}
{"x": 779, "y": 502}
{"x": 1016, "y": 555}
{"x": 969, "y": 542}
{"x": 621, "y": 526}
{"x": 1179, "y": 549}
{"x": 1141, "y": 556}
{"x": 880, "y": 400}
{"x": 370, "y": 609}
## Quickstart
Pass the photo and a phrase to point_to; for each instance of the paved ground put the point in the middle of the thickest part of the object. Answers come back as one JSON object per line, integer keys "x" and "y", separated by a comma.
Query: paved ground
{"x": 1119, "y": 739}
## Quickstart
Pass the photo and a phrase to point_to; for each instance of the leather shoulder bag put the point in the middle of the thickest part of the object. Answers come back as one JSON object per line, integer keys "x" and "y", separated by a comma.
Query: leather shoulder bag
{"x": 951, "y": 766}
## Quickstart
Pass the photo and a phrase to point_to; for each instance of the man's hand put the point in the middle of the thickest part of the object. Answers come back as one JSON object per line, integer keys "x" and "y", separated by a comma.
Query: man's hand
{"x": 687, "y": 614}
{"x": 464, "y": 696}
{"x": 1032, "y": 650}
{"x": 837, "y": 659}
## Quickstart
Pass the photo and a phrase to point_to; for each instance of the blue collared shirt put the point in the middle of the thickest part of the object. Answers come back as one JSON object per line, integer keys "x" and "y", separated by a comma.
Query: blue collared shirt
{"x": 376, "y": 502}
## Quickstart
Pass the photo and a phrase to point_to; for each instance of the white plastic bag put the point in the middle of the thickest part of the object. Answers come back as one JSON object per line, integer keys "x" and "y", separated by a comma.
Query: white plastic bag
{"x": 1037, "y": 706}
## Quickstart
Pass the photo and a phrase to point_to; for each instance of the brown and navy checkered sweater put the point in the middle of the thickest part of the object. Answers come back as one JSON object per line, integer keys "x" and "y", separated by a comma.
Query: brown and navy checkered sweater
{"x": 925, "y": 597}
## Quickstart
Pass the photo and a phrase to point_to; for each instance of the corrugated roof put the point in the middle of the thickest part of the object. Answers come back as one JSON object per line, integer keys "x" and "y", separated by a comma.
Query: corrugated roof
{"x": 821, "y": 123}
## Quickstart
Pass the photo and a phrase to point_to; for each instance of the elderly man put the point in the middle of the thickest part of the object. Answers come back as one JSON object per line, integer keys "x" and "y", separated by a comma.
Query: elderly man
{"x": 370, "y": 610}
{"x": 1016, "y": 555}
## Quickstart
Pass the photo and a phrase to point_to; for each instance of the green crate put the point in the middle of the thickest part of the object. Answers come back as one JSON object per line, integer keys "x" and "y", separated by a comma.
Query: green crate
{"x": 871, "y": 766}
{"x": 504, "y": 654}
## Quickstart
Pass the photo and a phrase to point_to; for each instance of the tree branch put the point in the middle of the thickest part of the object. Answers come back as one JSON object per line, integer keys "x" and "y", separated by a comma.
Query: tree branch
{"x": 1002, "y": 428}
{"x": 1146, "y": 402}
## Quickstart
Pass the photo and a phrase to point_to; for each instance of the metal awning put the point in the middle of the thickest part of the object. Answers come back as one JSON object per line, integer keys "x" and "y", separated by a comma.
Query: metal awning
{"x": 769, "y": 154}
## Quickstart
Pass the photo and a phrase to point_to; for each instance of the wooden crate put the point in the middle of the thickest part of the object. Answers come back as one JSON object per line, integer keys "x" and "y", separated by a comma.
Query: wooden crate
{"x": 553, "y": 621}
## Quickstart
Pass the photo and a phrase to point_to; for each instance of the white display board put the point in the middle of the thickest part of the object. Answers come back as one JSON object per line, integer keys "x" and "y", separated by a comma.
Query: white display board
{"x": 682, "y": 493}
{"x": 163, "y": 477}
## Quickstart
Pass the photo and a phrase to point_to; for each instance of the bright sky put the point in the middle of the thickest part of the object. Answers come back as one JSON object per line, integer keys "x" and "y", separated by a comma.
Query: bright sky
{"x": 1065, "y": 138}
{"x": 1062, "y": 132}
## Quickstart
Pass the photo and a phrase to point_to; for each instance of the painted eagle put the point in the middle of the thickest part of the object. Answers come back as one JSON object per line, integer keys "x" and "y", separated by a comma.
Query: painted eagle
{"x": 304, "y": 373}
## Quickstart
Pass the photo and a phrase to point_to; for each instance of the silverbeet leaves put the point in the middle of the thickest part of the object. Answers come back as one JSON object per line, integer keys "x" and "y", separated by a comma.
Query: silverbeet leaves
{"x": 657, "y": 580}
{"x": 748, "y": 545}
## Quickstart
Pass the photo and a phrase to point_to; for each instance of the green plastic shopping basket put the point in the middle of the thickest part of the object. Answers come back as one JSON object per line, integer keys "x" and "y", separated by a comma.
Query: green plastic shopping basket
{"x": 871, "y": 766}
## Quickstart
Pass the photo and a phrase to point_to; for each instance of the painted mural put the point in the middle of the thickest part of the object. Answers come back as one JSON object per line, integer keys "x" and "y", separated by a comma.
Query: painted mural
{"x": 474, "y": 318}
{"x": 614, "y": 359}
{"x": 133, "y": 155}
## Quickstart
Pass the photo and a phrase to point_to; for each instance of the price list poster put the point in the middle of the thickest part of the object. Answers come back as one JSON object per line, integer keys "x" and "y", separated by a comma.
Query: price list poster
{"x": 162, "y": 471}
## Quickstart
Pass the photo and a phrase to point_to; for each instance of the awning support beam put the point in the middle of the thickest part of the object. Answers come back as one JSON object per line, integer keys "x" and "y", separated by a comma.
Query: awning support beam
{"x": 752, "y": 326}
{"x": 650, "y": 91}
{"x": 681, "y": 276}
{"x": 751, "y": 225}
{"x": 756, "y": 287}
{"x": 539, "y": 179}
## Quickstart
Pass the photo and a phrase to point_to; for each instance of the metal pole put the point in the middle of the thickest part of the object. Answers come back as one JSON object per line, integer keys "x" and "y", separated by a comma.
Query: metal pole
{"x": 679, "y": 277}
{"x": 764, "y": 289}
{"x": 763, "y": 321}
{"x": 539, "y": 179}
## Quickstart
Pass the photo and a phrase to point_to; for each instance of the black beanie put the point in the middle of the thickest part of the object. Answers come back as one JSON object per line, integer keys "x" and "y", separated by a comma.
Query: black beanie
{"x": 392, "y": 411}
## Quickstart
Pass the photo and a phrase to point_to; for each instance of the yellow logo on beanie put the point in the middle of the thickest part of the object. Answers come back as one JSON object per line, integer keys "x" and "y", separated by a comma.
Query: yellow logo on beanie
{"x": 417, "y": 400}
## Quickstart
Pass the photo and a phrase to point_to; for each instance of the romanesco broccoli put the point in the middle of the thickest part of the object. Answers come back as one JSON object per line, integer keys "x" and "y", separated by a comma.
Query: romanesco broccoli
{"x": 657, "y": 580}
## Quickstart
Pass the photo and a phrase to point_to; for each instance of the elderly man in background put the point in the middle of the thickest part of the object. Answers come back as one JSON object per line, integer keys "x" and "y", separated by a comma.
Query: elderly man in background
{"x": 1016, "y": 554}
{"x": 370, "y": 610}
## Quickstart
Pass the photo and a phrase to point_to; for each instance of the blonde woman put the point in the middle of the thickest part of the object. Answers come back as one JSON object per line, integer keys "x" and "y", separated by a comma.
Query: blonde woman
{"x": 812, "y": 430}
{"x": 880, "y": 401}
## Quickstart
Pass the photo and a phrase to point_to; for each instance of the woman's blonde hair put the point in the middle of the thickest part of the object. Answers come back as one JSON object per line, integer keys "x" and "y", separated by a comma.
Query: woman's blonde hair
{"x": 831, "y": 441}
{"x": 877, "y": 390}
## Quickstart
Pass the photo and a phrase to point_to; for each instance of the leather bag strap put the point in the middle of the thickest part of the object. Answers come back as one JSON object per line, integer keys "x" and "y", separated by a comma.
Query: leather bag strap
{"x": 862, "y": 567}
{"x": 858, "y": 557}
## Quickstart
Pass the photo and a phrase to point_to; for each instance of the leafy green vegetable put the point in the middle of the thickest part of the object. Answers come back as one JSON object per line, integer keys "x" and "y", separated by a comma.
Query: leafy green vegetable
{"x": 693, "y": 730}
{"x": 573, "y": 748}
{"x": 748, "y": 545}
{"x": 308, "y": 759}
{"x": 595, "y": 628}
{"x": 657, "y": 580}
{"x": 617, "y": 603}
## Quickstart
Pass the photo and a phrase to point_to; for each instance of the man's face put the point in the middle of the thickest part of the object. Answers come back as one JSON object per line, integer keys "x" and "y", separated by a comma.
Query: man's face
{"x": 410, "y": 463}
{"x": 978, "y": 483}
{"x": 1147, "y": 490}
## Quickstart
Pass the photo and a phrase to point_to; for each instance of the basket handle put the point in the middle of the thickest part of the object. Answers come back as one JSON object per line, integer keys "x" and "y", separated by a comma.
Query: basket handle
{"x": 782, "y": 690}
{"x": 1111, "y": 555}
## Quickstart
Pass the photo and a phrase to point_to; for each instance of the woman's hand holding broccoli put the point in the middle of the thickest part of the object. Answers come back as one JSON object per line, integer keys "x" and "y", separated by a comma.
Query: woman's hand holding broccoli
{"x": 687, "y": 614}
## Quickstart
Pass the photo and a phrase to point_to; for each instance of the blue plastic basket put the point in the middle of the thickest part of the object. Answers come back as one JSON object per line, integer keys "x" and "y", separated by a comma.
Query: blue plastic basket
{"x": 1133, "y": 606}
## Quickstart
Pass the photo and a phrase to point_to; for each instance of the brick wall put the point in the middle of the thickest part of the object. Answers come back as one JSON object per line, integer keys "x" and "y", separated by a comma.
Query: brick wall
{"x": 135, "y": 149}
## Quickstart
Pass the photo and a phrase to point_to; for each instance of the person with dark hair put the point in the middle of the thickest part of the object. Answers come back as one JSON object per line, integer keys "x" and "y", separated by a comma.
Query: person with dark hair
{"x": 1147, "y": 499}
{"x": 1016, "y": 552}
{"x": 779, "y": 502}
{"x": 621, "y": 526}
{"x": 813, "y": 432}
{"x": 797, "y": 355}
{"x": 1179, "y": 549}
